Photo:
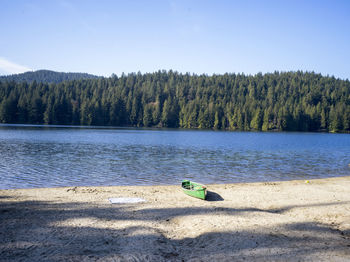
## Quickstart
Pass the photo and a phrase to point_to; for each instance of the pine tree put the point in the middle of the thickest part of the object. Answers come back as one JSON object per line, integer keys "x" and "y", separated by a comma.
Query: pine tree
{"x": 256, "y": 122}
{"x": 266, "y": 121}
{"x": 147, "y": 116}
{"x": 334, "y": 122}
{"x": 8, "y": 110}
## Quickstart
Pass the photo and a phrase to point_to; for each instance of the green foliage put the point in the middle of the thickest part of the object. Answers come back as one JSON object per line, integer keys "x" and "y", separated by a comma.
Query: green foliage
{"x": 291, "y": 101}
{"x": 256, "y": 122}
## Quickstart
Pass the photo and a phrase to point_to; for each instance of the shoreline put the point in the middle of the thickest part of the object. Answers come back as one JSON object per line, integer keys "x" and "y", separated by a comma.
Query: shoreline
{"x": 259, "y": 221}
{"x": 179, "y": 184}
{"x": 157, "y": 128}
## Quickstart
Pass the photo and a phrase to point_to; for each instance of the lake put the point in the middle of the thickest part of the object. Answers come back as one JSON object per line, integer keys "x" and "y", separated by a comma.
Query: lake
{"x": 53, "y": 156}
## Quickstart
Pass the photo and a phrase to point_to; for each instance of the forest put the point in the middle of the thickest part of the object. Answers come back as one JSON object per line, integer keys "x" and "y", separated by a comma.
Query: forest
{"x": 279, "y": 101}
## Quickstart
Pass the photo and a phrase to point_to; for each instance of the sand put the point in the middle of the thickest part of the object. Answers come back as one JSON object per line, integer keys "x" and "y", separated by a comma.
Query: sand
{"x": 293, "y": 221}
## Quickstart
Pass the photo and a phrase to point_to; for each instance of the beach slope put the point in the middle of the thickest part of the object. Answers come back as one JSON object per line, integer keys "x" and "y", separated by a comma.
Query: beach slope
{"x": 275, "y": 221}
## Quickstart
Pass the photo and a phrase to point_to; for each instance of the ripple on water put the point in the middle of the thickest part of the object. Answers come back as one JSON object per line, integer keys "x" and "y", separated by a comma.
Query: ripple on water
{"x": 64, "y": 157}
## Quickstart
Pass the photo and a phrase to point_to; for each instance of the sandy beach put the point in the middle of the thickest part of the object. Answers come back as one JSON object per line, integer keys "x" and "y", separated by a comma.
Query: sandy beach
{"x": 279, "y": 221}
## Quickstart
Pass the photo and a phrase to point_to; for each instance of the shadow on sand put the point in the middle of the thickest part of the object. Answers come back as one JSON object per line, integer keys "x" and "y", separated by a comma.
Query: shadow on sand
{"x": 43, "y": 231}
{"x": 212, "y": 196}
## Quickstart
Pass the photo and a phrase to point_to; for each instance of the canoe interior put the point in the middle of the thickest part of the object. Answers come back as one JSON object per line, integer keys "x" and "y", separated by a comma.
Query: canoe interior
{"x": 194, "y": 189}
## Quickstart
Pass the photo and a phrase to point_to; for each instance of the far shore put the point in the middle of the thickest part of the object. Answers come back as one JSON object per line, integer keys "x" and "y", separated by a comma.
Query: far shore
{"x": 273, "y": 221}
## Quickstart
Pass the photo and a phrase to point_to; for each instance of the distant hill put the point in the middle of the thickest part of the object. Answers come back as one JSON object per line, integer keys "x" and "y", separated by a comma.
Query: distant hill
{"x": 46, "y": 76}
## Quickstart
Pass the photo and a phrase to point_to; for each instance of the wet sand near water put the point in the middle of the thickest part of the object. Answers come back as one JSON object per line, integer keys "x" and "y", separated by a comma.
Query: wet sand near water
{"x": 278, "y": 221}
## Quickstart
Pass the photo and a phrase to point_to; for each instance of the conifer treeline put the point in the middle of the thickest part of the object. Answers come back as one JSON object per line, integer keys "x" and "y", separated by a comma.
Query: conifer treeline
{"x": 291, "y": 101}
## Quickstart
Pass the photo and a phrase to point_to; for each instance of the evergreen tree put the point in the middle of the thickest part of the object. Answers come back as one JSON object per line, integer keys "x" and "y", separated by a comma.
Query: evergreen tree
{"x": 8, "y": 110}
{"x": 291, "y": 101}
{"x": 256, "y": 122}
{"x": 147, "y": 116}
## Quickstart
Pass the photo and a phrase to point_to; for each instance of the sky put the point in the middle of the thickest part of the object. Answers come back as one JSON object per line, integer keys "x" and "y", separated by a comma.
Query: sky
{"x": 104, "y": 37}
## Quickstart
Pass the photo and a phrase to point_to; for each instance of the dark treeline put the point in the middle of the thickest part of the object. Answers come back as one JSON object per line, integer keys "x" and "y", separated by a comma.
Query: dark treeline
{"x": 292, "y": 101}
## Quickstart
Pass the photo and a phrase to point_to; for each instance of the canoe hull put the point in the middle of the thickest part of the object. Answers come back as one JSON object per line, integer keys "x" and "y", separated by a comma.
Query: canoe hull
{"x": 194, "y": 189}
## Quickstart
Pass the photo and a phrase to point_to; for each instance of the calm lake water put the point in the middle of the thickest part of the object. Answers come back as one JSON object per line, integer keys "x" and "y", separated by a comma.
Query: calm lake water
{"x": 37, "y": 156}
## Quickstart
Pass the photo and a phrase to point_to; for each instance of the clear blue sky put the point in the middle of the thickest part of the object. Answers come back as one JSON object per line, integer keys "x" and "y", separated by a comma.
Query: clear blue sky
{"x": 104, "y": 37}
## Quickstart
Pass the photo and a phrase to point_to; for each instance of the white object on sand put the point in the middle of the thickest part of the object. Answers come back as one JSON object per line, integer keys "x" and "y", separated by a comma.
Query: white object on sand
{"x": 125, "y": 200}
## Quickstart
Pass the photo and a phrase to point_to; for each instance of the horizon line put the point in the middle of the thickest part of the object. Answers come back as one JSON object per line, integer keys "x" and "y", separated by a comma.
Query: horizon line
{"x": 183, "y": 73}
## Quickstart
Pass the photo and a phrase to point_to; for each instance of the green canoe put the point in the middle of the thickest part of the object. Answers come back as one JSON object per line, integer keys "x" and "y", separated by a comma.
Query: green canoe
{"x": 194, "y": 189}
